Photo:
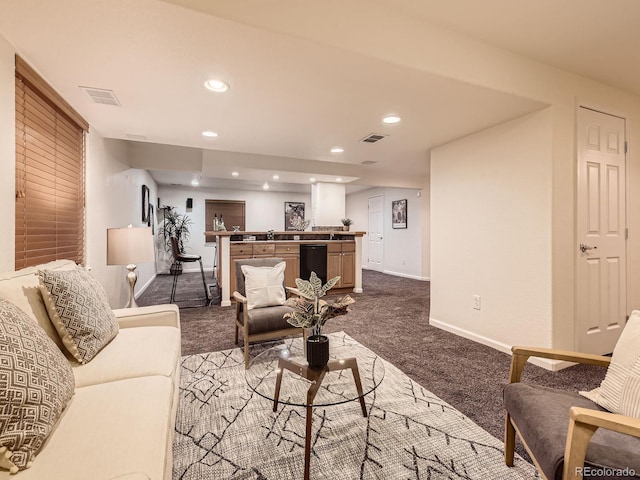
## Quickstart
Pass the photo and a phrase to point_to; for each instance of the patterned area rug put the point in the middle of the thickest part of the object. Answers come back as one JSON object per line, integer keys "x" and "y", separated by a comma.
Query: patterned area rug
{"x": 226, "y": 431}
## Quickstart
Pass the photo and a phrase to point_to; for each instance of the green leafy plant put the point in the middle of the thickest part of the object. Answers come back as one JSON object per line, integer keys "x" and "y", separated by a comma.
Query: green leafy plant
{"x": 311, "y": 312}
{"x": 174, "y": 225}
{"x": 346, "y": 222}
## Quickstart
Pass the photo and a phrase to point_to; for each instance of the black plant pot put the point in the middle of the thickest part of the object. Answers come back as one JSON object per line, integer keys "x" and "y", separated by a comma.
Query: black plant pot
{"x": 317, "y": 351}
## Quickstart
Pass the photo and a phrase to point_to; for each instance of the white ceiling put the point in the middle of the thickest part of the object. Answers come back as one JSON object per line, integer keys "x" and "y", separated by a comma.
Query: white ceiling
{"x": 291, "y": 98}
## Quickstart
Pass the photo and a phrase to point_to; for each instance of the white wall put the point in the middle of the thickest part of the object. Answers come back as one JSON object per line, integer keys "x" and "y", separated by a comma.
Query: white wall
{"x": 113, "y": 199}
{"x": 491, "y": 233}
{"x": 7, "y": 156}
{"x": 264, "y": 211}
{"x": 327, "y": 203}
{"x": 404, "y": 249}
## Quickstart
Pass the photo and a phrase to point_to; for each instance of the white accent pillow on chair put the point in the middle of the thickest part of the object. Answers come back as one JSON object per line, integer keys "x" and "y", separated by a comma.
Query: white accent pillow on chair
{"x": 264, "y": 286}
{"x": 619, "y": 392}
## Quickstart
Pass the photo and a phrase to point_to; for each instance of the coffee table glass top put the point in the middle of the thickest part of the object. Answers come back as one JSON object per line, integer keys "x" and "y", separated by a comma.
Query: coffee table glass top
{"x": 337, "y": 386}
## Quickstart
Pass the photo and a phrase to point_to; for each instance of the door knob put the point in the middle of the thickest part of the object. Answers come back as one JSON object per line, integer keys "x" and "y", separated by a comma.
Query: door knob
{"x": 584, "y": 247}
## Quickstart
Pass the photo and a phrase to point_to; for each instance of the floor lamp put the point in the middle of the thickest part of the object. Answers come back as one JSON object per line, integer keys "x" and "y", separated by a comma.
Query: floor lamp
{"x": 127, "y": 246}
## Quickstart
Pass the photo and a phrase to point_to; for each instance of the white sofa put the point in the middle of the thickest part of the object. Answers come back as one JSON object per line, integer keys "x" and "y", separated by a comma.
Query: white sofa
{"x": 121, "y": 419}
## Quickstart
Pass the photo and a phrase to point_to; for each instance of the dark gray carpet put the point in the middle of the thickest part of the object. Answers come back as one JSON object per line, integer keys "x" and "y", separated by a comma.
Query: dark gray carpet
{"x": 391, "y": 318}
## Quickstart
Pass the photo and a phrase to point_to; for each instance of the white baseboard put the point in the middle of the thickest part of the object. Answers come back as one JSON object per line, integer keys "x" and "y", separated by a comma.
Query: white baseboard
{"x": 145, "y": 286}
{"x": 406, "y": 275}
{"x": 553, "y": 365}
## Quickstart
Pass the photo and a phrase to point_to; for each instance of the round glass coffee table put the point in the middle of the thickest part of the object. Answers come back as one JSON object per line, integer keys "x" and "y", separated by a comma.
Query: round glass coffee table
{"x": 281, "y": 374}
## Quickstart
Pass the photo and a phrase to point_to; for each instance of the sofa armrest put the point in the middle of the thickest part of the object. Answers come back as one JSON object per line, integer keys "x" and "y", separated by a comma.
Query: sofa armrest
{"x": 583, "y": 423}
{"x": 522, "y": 354}
{"x": 153, "y": 316}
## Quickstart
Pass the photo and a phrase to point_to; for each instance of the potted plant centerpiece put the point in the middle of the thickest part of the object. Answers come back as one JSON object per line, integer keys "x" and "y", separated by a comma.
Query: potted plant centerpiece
{"x": 311, "y": 312}
{"x": 346, "y": 223}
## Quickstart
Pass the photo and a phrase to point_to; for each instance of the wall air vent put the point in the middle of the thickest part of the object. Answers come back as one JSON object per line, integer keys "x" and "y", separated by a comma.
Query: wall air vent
{"x": 101, "y": 96}
{"x": 373, "y": 138}
{"x": 368, "y": 162}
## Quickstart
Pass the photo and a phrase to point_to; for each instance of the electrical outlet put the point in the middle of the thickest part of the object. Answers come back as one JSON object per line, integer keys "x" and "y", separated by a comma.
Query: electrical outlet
{"x": 476, "y": 302}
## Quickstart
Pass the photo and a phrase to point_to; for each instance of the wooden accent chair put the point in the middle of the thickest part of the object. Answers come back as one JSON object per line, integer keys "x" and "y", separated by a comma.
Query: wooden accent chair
{"x": 566, "y": 434}
{"x": 259, "y": 324}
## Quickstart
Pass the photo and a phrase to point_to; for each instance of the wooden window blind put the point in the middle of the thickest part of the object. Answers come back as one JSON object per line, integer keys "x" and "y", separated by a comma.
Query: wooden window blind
{"x": 232, "y": 211}
{"x": 50, "y": 174}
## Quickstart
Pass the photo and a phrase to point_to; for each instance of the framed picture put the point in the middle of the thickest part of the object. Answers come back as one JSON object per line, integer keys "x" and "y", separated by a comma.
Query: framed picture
{"x": 293, "y": 213}
{"x": 152, "y": 221}
{"x": 399, "y": 213}
{"x": 145, "y": 204}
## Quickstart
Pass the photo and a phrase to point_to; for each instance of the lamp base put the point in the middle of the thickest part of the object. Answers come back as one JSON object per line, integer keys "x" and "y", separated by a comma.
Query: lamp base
{"x": 132, "y": 277}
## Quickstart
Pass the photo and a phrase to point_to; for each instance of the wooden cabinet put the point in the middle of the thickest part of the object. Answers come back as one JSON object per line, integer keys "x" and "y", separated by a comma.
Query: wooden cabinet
{"x": 290, "y": 253}
{"x": 341, "y": 261}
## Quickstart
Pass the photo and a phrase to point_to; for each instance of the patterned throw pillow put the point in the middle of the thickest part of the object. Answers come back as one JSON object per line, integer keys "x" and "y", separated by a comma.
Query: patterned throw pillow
{"x": 36, "y": 383}
{"x": 79, "y": 309}
{"x": 619, "y": 392}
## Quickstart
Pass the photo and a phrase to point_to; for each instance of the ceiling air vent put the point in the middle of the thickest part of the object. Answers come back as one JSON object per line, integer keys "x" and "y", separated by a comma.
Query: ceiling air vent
{"x": 368, "y": 162}
{"x": 101, "y": 96}
{"x": 373, "y": 138}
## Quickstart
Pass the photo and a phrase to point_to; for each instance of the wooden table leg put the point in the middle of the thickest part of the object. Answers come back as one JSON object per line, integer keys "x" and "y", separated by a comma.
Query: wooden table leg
{"x": 276, "y": 395}
{"x": 356, "y": 379}
{"x": 307, "y": 443}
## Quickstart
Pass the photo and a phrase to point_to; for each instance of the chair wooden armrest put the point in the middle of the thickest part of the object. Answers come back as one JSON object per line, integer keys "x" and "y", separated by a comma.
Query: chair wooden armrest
{"x": 292, "y": 291}
{"x": 238, "y": 297}
{"x": 522, "y": 354}
{"x": 583, "y": 423}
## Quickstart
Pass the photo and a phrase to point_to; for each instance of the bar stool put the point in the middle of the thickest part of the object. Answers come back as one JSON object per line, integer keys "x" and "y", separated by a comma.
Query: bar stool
{"x": 215, "y": 259}
{"x": 180, "y": 257}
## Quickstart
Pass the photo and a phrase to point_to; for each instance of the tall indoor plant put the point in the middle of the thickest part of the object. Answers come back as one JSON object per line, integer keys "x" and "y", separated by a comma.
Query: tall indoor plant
{"x": 174, "y": 225}
{"x": 312, "y": 312}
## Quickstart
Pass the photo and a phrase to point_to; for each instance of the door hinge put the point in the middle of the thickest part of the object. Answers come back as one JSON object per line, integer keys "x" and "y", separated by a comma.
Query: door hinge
{"x": 626, "y": 146}
{"x": 626, "y": 234}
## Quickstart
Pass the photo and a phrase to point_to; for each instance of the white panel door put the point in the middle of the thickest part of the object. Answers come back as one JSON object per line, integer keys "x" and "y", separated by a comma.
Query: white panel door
{"x": 375, "y": 233}
{"x": 601, "y": 250}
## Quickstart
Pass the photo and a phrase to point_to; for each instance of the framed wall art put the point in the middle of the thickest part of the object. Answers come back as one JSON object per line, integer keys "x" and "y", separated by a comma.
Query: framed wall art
{"x": 399, "y": 213}
{"x": 293, "y": 215}
{"x": 145, "y": 204}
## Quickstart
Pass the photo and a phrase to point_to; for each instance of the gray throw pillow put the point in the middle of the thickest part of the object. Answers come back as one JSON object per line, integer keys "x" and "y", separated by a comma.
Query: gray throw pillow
{"x": 36, "y": 384}
{"x": 79, "y": 309}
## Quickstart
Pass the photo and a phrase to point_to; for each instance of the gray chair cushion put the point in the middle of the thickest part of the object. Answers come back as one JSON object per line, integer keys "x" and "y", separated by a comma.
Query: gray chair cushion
{"x": 542, "y": 417}
{"x": 267, "y": 319}
{"x": 254, "y": 262}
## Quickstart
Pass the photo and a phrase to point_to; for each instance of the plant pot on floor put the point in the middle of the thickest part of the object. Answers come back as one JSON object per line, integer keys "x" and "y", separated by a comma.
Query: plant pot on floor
{"x": 317, "y": 351}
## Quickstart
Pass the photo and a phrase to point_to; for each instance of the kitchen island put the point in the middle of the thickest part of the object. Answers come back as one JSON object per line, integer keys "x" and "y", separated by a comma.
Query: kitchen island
{"x": 343, "y": 255}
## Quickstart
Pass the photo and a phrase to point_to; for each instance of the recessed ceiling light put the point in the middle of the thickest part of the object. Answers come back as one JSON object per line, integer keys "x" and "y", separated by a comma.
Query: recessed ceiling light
{"x": 338, "y": 179}
{"x": 209, "y": 133}
{"x": 276, "y": 177}
{"x": 337, "y": 150}
{"x": 390, "y": 119}
{"x": 216, "y": 85}
{"x": 235, "y": 174}
{"x": 195, "y": 183}
{"x": 312, "y": 179}
{"x": 265, "y": 186}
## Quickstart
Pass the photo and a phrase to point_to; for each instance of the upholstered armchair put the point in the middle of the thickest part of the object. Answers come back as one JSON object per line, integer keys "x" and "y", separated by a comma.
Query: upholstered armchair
{"x": 567, "y": 435}
{"x": 258, "y": 322}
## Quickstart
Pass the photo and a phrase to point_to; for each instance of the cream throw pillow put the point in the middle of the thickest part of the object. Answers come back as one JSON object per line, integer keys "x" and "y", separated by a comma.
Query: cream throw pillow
{"x": 79, "y": 309}
{"x": 264, "y": 286}
{"x": 619, "y": 392}
{"x": 36, "y": 384}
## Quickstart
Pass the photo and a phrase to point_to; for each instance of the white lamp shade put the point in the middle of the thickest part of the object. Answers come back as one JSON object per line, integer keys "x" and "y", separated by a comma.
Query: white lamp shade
{"x": 129, "y": 245}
